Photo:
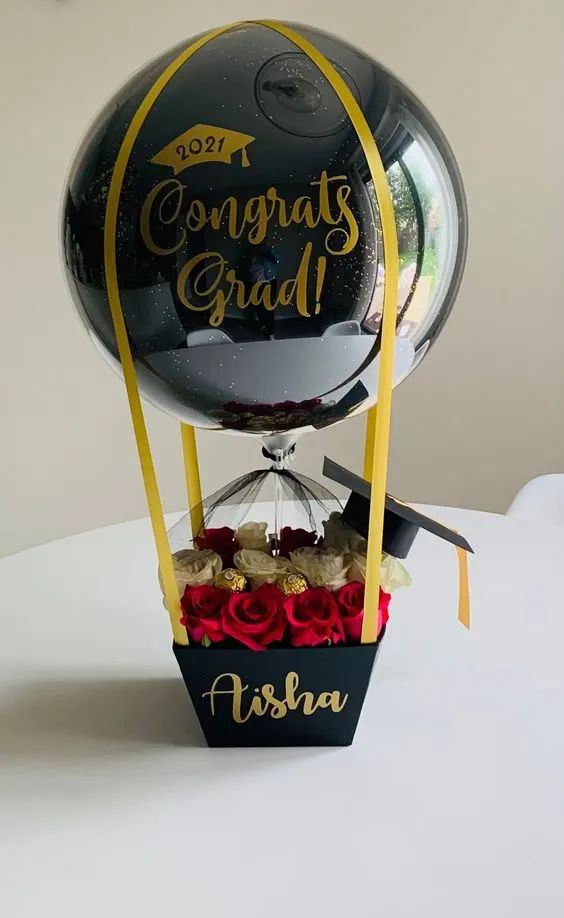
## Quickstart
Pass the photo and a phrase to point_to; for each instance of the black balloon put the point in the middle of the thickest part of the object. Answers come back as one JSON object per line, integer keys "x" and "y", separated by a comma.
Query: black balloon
{"x": 248, "y": 247}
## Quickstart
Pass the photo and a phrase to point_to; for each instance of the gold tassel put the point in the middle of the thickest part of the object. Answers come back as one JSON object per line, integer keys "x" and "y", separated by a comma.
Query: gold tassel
{"x": 463, "y": 588}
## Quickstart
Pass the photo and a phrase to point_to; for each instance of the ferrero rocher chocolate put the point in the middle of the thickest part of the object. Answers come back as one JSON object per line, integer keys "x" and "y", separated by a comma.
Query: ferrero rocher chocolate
{"x": 292, "y": 584}
{"x": 231, "y": 579}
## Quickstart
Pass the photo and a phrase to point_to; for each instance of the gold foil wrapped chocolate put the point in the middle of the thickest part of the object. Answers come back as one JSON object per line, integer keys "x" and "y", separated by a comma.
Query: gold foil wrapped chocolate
{"x": 231, "y": 579}
{"x": 291, "y": 584}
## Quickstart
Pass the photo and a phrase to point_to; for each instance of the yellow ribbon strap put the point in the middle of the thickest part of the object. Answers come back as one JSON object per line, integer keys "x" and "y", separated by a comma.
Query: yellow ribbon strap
{"x": 192, "y": 472}
{"x": 369, "y": 443}
{"x": 172, "y": 599}
{"x": 381, "y": 438}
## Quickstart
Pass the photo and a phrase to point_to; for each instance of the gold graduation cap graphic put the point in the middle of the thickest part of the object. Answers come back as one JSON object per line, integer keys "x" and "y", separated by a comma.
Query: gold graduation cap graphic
{"x": 203, "y": 143}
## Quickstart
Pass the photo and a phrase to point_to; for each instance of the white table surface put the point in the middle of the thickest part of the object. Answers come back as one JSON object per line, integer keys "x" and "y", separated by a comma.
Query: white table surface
{"x": 448, "y": 805}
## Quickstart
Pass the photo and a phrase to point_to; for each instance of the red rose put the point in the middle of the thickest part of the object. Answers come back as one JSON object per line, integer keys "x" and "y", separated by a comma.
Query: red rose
{"x": 220, "y": 540}
{"x": 292, "y": 539}
{"x": 383, "y": 607}
{"x": 202, "y": 607}
{"x": 351, "y": 602}
{"x": 314, "y": 618}
{"x": 256, "y": 618}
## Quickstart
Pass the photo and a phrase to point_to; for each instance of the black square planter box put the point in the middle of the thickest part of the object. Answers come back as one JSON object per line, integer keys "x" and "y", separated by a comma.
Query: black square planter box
{"x": 287, "y": 696}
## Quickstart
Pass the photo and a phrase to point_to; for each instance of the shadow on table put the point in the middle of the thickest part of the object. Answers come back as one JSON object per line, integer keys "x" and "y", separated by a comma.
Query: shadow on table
{"x": 46, "y": 715}
{"x": 77, "y": 742}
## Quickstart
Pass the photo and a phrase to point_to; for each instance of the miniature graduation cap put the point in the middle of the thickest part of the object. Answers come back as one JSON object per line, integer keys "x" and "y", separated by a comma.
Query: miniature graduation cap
{"x": 401, "y": 522}
{"x": 203, "y": 143}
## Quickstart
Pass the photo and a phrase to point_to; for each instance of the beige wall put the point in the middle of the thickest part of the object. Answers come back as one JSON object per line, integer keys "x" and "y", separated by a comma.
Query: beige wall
{"x": 481, "y": 415}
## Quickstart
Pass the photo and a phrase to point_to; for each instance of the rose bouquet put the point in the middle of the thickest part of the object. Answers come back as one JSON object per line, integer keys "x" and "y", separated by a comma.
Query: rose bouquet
{"x": 298, "y": 597}
{"x": 278, "y": 648}
{"x": 242, "y": 588}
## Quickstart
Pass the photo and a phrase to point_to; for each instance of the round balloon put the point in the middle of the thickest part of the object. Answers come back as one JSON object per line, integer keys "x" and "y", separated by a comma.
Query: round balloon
{"x": 245, "y": 233}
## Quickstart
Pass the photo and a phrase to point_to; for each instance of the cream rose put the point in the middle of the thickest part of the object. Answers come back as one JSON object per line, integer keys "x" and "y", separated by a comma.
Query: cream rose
{"x": 321, "y": 566}
{"x": 194, "y": 568}
{"x": 357, "y": 569}
{"x": 253, "y": 536}
{"x": 393, "y": 574}
{"x": 340, "y": 536}
{"x": 259, "y": 567}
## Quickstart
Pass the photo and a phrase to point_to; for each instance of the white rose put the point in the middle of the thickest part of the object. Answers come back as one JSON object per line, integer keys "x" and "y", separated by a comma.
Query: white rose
{"x": 393, "y": 574}
{"x": 341, "y": 536}
{"x": 194, "y": 568}
{"x": 259, "y": 567}
{"x": 253, "y": 536}
{"x": 321, "y": 566}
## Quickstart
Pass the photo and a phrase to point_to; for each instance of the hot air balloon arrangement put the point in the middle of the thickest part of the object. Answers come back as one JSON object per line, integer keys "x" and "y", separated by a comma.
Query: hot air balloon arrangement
{"x": 264, "y": 231}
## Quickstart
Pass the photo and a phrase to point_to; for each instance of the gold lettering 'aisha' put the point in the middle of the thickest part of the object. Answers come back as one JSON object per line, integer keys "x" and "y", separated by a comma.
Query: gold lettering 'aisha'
{"x": 265, "y": 702}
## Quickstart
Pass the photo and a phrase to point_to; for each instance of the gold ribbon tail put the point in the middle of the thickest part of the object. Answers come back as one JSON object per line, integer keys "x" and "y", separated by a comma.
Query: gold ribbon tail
{"x": 463, "y": 588}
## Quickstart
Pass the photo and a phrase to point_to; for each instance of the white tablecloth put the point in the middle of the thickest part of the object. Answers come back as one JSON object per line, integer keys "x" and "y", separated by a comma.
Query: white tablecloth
{"x": 448, "y": 805}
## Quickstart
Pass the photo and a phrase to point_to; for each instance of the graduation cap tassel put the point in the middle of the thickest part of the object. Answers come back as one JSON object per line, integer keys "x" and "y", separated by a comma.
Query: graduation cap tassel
{"x": 463, "y": 587}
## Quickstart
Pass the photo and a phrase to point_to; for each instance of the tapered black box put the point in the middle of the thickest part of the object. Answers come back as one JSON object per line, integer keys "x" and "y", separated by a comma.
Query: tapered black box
{"x": 285, "y": 696}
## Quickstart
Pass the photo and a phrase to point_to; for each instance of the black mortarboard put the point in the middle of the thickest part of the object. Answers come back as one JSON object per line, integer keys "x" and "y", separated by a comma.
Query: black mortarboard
{"x": 401, "y": 522}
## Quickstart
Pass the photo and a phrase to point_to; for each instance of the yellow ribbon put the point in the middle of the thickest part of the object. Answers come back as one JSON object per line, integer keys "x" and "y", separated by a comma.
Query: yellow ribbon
{"x": 369, "y": 443}
{"x": 381, "y": 435}
{"x": 154, "y": 502}
{"x": 192, "y": 473}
